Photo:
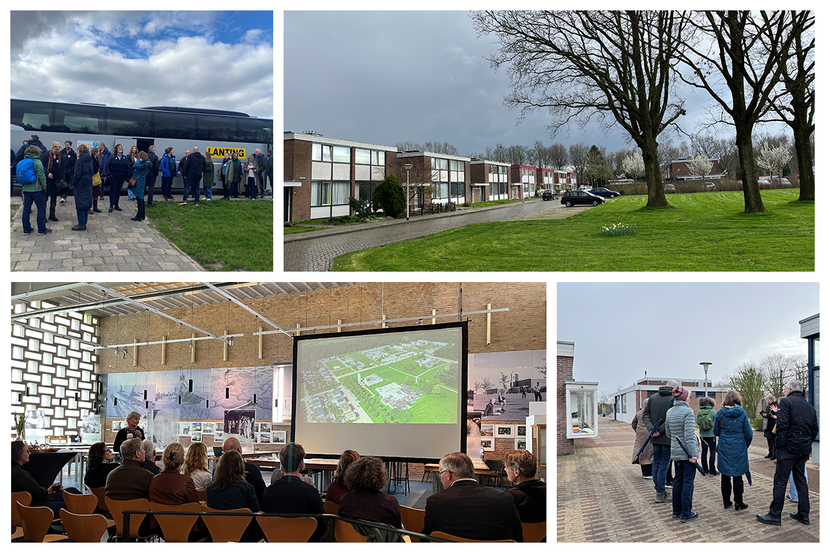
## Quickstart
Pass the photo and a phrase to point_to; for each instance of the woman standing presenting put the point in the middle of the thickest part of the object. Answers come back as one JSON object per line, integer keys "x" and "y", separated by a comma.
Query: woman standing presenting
{"x": 734, "y": 436}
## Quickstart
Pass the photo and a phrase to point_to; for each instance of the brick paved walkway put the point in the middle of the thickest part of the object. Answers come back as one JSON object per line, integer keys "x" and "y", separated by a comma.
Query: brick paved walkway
{"x": 602, "y": 497}
{"x": 316, "y": 250}
{"x": 111, "y": 243}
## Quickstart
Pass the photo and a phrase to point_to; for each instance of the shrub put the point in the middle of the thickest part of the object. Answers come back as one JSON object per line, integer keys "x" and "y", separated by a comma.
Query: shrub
{"x": 362, "y": 210}
{"x": 618, "y": 229}
{"x": 390, "y": 197}
{"x": 757, "y": 423}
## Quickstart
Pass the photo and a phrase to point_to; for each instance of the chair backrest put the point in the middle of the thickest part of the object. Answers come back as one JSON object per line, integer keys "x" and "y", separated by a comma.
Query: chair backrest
{"x": 534, "y": 532}
{"x": 344, "y": 532}
{"x": 287, "y": 530}
{"x": 176, "y": 528}
{"x": 331, "y": 507}
{"x": 117, "y": 506}
{"x": 80, "y": 503}
{"x": 83, "y": 527}
{"x": 494, "y": 465}
{"x": 412, "y": 519}
{"x": 450, "y": 537}
{"x": 226, "y": 529}
{"x": 36, "y": 521}
{"x": 25, "y": 498}
{"x": 101, "y": 494}
{"x": 202, "y": 495}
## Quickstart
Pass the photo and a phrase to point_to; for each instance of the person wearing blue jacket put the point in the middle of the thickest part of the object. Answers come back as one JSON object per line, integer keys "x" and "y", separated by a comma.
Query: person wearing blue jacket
{"x": 734, "y": 437}
{"x": 167, "y": 164}
{"x": 141, "y": 168}
{"x": 118, "y": 169}
{"x": 105, "y": 156}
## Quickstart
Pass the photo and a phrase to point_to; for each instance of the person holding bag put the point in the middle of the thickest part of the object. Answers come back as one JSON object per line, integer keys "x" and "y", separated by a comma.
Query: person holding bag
{"x": 53, "y": 165}
{"x": 140, "y": 170}
{"x": 118, "y": 169}
{"x": 84, "y": 171}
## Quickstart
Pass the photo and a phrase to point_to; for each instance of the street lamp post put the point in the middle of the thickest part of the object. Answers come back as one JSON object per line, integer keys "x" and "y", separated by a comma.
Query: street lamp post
{"x": 705, "y": 372}
{"x": 407, "y": 166}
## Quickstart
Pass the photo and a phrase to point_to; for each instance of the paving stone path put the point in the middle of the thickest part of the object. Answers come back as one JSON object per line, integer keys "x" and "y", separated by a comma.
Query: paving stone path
{"x": 316, "y": 250}
{"x": 111, "y": 243}
{"x": 602, "y": 497}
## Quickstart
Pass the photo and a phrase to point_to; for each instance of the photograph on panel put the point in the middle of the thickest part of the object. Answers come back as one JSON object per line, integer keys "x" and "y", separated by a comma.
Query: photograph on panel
{"x": 549, "y": 141}
{"x": 375, "y": 411}
{"x": 688, "y": 412}
{"x": 142, "y": 140}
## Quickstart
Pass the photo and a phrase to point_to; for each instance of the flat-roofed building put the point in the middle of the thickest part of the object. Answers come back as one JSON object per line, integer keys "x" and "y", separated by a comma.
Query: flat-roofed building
{"x": 322, "y": 173}
{"x": 450, "y": 177}
{"x": 545, "y": 177}
{"x": 490, "y": 180}
{"x": 630, "y": 400}
{"x": 523, "y": 179}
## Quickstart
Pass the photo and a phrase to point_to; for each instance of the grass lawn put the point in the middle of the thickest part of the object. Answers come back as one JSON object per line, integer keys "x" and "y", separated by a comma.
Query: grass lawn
{"x": 296, "y": 229}
{"x": 700, "y": 232}
{"x": 220, "y": 235}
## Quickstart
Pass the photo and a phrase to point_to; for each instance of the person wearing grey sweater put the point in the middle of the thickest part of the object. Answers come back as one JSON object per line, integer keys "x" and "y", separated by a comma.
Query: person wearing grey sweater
{"x": 680, "y": 425}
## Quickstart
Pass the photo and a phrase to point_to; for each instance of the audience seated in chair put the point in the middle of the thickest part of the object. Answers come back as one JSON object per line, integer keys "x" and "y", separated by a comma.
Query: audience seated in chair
{"x": 252, "y": 473}
{"x": 290, "y": 494}
{"x": 196, "y": 466}
{"x": 230, "y": 490}
{"x": 365, "y": 478}
{"x": 468, "y": 510}
{"x": 170, "y": 487}
{"x": 130, "y": 480}
{"x": 22, "y": 481}
{"x": 99, "y": 465}
{"x": 338, "y": 486}
{"x": 150, "y": 457}
{"x": 528, "y": 493}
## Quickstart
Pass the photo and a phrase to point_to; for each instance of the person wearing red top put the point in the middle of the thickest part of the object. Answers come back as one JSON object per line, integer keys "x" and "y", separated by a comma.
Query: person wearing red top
{"x": 338, "y": 488}
{"x": 170, "y": 487}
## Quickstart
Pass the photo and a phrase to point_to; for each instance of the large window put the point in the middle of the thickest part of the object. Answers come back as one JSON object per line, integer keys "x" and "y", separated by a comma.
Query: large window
{"x": 329, "y": 193}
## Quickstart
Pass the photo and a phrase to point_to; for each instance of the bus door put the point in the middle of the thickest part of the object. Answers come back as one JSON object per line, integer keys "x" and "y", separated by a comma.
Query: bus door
{"x": 144, "y": 144}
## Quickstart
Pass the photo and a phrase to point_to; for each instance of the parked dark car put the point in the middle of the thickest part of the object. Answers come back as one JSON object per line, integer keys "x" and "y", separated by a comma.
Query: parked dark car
{"x": 576, "y": 197}
{"x": 550, "y": 195}
{"x": 604, "y": 192}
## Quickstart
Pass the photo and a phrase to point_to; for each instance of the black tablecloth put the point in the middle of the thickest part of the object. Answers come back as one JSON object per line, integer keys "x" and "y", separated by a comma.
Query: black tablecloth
{"x": 45, "y": 467}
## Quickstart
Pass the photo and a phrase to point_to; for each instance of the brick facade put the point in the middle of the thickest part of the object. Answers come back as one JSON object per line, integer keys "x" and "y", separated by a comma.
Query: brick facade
{"x": 564, "y": 372}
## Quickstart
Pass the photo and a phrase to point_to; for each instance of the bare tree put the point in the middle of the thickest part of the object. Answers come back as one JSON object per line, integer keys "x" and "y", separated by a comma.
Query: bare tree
{"x": 777, "y": 371}
{"x": 518, "y": 155}
{"x": 558, "y": 156}
{"x": 797, "y": 106}
{"x": 727, "y": 53}
{"x": 497, "y": 153}
{"x": 615, "y": 66}
{"x": 440, "y": 148}
{"x": 748, "y": 381}
{"x": 801, "y": 370}
{"x": 579, "y": 159}
{"x": 408, "y": 146}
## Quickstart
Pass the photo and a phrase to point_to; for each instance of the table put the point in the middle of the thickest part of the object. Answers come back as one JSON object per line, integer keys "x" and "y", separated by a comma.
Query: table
{"x": 479, "y": 465}
{"x": 45, "y": 466}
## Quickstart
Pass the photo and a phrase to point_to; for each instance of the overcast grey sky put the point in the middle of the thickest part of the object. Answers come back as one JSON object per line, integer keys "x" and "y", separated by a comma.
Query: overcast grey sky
{"x": 210, "y": 59}
{"x": 620, "y": 330}
{"x": 388, "y": 77}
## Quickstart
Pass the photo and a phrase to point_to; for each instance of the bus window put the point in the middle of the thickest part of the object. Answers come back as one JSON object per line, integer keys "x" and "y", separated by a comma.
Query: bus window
{"x": 32, "y": 116}
{"x": 129, "y": 122}
{"x": 255, "y": 130}
{"x": 83, "y": 119}
{"x": 219, "y": 129}
{"x": 175, "y": 125}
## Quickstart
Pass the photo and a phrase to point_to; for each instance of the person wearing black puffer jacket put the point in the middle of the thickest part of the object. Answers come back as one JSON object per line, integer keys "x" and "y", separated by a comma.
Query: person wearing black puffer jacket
{"x": 119, "y": 170}
{"x": 656, "y": 409}
{"x": 796, "y": 429}
{"x": 194, "y": 166}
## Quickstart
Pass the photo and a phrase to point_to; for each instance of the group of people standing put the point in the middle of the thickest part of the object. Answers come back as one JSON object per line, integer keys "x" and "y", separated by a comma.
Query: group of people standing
{"x": 46, "y": 174}
{"x": 666, "y": 425}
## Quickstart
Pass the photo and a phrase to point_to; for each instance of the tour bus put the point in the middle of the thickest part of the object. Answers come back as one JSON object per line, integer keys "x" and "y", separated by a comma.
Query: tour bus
{"x": 213, "y": 131}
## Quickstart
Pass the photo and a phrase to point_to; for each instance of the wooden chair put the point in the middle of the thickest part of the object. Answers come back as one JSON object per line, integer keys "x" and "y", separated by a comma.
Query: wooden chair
{"x": 226, "y": 529}
{"x": 534, "y": 532}
{"x": 36, "y": 522}
{"x": 344, "y": 532}
{"x": 202, "y": 495}
{"x": 496, "y": 472}
{"x": 287, "y": 530}
{"x": 101, "y": 494}
{"x": 176, "y": 528}
{"x": 84, "y": 527}
{"x": 331, "y": 507}
{"x": 80, "y": 503}
{"x": 116, "y": 507}
{"x": 412, "y": 519}
{"x": 450, "y": 537}
{"x": 24, "y": 498}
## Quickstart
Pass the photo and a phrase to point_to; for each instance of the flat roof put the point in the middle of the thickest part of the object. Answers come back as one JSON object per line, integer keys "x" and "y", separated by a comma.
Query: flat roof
{"x": 291, "y": 135}
{"x": 432, "y": 154}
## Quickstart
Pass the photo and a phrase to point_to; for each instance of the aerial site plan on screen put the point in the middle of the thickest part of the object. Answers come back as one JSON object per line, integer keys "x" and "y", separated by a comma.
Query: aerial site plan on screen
{"x": 406, "y": 381}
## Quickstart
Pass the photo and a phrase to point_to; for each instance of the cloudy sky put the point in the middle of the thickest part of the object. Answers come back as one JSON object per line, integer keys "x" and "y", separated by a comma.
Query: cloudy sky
{"x": 388, "y": 77}
{"x": 620, "y": 330}
{"x": 218, "y": 60}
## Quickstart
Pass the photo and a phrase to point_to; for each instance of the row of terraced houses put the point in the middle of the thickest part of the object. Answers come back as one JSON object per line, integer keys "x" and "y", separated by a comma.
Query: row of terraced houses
{"x": 321, "y": 174}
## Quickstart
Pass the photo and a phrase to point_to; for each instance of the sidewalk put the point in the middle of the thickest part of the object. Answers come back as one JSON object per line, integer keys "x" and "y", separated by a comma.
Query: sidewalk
{"x": 112, "y": 242}
{"x": 602, "y": 497}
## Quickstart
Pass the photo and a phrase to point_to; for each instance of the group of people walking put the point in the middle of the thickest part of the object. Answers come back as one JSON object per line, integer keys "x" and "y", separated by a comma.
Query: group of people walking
{"x": 45, "y": 174}
{"x": 665, "y": 432}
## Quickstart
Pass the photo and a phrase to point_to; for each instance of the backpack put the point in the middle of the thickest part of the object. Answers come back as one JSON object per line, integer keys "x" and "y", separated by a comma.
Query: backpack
{"x": 26, "y": 171}
{"x": 706, "y": 419}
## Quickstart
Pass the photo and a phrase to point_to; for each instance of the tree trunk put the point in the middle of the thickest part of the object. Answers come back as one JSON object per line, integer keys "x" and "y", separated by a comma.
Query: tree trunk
{"x": 654, "y": 175}
{"x": 746, "y": 157}
{"x": 806, "y": 175}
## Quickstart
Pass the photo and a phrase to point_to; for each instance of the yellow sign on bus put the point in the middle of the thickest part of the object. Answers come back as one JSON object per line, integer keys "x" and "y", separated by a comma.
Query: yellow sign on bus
{"x": 215, "y": 151}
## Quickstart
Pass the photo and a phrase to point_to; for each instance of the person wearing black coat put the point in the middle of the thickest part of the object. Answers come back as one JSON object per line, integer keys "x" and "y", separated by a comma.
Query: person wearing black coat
{"x": 119, "y": 170}
{"x": 194, "y": 166}
{"x": 84, "y": 169}
{"x": 796, "y": 430}
{"x": 69, "y": 159}
{"x": 33, "y": 141}
{"x": 770, "y": 415}
{"x": 656, "y": 409}
{"x": 53, "y": 167}
{"x": 152, "y": 175}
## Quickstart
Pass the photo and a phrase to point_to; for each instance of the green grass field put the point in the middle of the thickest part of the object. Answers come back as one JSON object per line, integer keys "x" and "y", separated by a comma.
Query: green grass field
{"x": 220, "y": 235}
{"x": 700, "y": 232}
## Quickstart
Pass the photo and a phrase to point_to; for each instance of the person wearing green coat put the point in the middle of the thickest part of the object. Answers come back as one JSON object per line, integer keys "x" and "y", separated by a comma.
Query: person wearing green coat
{"x": 33, "y": 193}
{"x": 207, "y": 177}
{"x": 708, "y": 444}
